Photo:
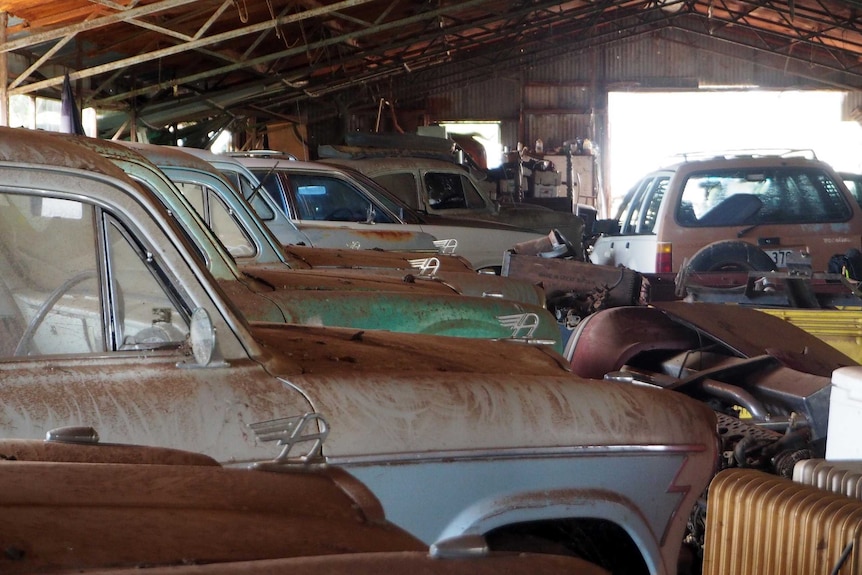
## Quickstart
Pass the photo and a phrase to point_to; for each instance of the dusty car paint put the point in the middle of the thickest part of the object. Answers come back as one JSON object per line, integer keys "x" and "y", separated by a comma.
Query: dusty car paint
{"x": 482, "y": 243}
{"x": 388, "y": 171}
{"x": 287, "y": 231}
{"x": 495, "y": 433}
{"x": 364, "y": 303}
{"x": 189, "y": 169}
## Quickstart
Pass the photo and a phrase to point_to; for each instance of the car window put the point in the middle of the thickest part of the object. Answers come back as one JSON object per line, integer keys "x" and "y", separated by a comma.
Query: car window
{"x": 630, "y": 210}
{"x": 325, "y": 198}
{"x": 786, "y": 195}
{"x": 218, "y": 216}
{"x": 53, "y": 295}
{"x": 252, "y": 194}
{"x": 147, "y": 314}
{"x": 854, "y": 184}
{"x": 403, "y": 186}
{"x": 226, "y": 227}
{"x": 272, "y": 184}
{"x": 652, "y": 203}
{"x": 448, "y": 191}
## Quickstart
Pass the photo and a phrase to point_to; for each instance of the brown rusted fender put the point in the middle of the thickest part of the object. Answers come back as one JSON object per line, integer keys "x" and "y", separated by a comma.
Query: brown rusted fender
{"x": 65, "y": 517}
{"x": 394, "y": 563}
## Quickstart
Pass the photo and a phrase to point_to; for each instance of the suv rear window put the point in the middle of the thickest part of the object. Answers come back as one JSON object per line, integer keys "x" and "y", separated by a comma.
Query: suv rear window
{"x": 789, "y": 195}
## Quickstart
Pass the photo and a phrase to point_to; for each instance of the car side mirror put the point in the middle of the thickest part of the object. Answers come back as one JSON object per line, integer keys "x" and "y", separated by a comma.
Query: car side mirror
{"x": 203, "y": 342}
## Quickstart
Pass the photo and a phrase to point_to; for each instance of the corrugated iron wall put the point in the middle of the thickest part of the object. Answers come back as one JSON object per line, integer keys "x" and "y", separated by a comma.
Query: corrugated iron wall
{"x": 565, "y": 97}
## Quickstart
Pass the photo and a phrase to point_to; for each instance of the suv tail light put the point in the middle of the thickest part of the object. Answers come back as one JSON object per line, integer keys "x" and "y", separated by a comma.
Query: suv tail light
{"x": 664, "y": 258}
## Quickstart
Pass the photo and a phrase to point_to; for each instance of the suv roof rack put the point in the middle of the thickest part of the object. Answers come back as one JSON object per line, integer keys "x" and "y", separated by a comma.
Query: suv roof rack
{"x": 747, "y": 153}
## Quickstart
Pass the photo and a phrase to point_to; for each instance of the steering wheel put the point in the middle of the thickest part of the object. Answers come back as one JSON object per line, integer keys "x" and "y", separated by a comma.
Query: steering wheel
{"x": 47, "y": 306}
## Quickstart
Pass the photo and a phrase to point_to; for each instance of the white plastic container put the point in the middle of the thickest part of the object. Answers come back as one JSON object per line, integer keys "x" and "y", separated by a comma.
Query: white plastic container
{"x": 845, "y": 415}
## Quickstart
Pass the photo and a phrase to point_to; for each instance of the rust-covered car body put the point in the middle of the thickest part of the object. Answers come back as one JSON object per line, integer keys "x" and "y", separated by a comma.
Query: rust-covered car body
{"x": 254, "y": 243}
{"x": 325, "y": 297}
{"x": 327, "y": 197}
{"x": 445, "y": 188}
{"x": 71, "y": 504}
{"x": 494, "y": 439}
{"x": 363, "y": 239}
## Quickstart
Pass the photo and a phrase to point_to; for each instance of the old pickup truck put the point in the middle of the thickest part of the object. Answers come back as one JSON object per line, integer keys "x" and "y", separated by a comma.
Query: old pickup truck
{"x": 494, "y": 441}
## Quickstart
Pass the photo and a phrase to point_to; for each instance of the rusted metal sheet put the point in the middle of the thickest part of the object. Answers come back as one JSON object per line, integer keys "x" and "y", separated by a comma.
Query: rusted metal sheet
{"x": 395, "y": 563}
{"x": 754, "y": 333}
{"x": 78, "y": 516}
{"x": 613, "y": 286}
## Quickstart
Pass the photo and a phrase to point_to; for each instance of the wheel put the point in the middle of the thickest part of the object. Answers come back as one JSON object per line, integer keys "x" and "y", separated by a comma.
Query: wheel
{"x": 730, "y": 256}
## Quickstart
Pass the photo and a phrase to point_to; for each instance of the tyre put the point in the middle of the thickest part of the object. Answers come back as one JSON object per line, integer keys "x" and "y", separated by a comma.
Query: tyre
{"x": 731, "y": 256}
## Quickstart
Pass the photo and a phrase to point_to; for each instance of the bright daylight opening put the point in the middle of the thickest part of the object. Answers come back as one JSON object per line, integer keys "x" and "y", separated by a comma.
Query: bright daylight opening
{"x": 486, "y": 133}
{"x": 647, "y": 129}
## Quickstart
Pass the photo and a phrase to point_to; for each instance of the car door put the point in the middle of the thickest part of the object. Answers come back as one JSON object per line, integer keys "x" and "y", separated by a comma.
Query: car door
{"x": 95, "y": 310}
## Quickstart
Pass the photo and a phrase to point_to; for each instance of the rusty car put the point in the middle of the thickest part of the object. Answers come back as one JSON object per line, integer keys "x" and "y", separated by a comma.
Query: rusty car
{"x": 254, "y": 246}
{"x": 316, "y": 195}
{"x": 72, "y": 503}
{"x": 330, "y": 297}
{"x": 121, "y": 325}
{"x": 445, "y": 188}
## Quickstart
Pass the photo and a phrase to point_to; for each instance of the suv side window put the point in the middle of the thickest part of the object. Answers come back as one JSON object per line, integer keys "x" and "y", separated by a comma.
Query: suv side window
{"x": 652, "y": 203}
{"x": 638, "y": 213}
{"x": 70, "y": 275}
{"x": 788, "y": 195}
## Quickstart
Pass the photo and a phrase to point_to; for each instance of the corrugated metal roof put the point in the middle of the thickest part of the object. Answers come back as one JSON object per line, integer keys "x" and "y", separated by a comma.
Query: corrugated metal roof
{"x": 171, "y": 60}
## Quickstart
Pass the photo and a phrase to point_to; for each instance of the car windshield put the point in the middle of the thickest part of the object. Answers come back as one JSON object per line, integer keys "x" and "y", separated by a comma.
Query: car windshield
{"x": 755, "y": 196}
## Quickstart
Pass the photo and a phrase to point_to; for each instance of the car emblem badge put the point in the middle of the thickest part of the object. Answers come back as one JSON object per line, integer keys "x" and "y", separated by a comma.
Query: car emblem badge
{"x": 521, "y": 324}
{"x": 291, "y": 431}
{"x": 447, "y": 246}
{"x": 426, "y": 266}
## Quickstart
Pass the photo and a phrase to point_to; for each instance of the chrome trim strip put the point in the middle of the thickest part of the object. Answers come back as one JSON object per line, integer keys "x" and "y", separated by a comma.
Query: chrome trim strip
{"x": 514, "y": 453}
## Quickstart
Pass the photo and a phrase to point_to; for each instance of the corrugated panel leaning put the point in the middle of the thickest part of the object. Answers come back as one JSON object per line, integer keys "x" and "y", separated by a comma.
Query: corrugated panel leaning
{"x": 762, "y": 524}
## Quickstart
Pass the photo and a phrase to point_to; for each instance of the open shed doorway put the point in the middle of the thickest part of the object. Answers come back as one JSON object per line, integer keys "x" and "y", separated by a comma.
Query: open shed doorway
{"x": 647, "y": 128}
{"x": 486, "y": 133}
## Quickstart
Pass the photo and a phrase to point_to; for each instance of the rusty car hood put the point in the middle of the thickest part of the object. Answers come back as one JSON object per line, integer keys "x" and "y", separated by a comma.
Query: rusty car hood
{"x": 304, "y": 256}
{"x": 281, "y": 277}
{"x": 478, "y": 396}
{"x": 468, "y": 283}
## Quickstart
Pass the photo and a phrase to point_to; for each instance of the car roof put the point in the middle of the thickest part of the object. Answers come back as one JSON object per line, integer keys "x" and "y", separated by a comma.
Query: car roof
{"x": 23, "y": 146}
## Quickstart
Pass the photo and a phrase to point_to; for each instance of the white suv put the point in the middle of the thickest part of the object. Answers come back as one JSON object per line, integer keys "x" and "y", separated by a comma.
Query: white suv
{"x": 732, "y": 213}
